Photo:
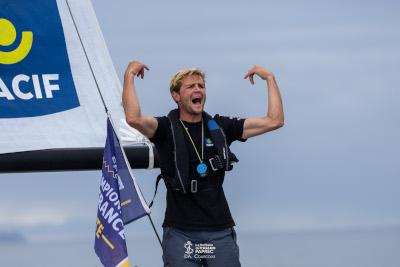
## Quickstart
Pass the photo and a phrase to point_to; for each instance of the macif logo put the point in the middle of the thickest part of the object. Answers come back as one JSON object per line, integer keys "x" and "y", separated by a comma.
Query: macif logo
{"x": 8, "y": 36}
{"x": 35, "y": 74}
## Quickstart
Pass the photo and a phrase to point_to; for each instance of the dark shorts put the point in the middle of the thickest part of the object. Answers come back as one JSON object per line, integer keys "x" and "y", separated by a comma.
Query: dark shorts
{"x": 182, "y": 248}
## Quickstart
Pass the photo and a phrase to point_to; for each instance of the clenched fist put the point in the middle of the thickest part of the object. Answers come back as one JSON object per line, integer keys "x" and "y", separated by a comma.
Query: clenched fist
{"x": 136, "y": 68}
{"x": 260, "y": 71}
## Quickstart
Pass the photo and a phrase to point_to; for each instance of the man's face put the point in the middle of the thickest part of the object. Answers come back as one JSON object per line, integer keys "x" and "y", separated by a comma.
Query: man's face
{"x": 192, "y": 95}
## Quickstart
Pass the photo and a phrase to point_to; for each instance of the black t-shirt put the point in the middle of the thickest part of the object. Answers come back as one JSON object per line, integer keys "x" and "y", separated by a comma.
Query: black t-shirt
{"x": 207, "y": 209}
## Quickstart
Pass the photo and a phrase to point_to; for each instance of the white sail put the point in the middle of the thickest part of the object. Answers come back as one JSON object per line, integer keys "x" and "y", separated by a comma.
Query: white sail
{"x": 34, "y": 90}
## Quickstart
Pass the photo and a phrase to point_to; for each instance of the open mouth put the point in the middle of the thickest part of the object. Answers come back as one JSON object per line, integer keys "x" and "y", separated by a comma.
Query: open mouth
{"x": 196, "y": 100}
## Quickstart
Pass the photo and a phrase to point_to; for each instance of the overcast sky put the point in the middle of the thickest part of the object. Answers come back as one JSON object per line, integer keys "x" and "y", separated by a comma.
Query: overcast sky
{"x": 335, "y": 164}
{"x": 336, "y": 62}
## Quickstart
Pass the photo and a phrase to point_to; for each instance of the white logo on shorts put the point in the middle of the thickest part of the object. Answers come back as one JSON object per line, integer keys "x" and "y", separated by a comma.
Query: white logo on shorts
{"x": 188, "y": 245}
{"x": 201, "y": 251}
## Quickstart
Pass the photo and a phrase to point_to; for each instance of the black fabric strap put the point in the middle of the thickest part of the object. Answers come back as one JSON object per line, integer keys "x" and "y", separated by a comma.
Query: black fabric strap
{"x": 159, "y": 177}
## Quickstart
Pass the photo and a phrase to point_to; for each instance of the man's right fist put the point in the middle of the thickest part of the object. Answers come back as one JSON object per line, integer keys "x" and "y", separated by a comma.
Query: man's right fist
{"x": 136, "y": 68}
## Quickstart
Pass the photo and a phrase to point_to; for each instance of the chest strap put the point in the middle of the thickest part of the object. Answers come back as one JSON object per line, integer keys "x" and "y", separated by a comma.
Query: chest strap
{"x": 181, "y": 154}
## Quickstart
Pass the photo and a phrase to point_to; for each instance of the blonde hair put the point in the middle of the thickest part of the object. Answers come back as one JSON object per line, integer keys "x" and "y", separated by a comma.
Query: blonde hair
{"x": 176, "y": 80}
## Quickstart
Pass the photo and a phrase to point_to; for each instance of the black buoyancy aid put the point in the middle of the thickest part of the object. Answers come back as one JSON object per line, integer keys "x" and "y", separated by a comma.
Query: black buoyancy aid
{"x": 178, "y": 177}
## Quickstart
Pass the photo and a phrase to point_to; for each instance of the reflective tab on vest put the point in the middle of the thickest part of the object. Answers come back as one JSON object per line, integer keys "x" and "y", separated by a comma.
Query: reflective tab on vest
{"x": 212, "y": 125}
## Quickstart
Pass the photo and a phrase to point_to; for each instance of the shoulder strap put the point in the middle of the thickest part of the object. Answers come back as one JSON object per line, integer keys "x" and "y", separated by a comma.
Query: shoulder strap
{"x": 218, "y": 136}
{"x": 181, "y": 155}
{"x": 159, "y": 177}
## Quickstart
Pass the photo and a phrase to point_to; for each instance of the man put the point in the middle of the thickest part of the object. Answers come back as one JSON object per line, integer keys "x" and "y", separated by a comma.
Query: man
{"x": 194, "y": 155}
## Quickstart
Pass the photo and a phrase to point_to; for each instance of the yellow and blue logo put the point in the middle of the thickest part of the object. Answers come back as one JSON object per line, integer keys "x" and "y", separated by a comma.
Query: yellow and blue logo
{"x": 35, "y": 73}
{"x": 8, "y": 35}
{"x": 208, "y": 142}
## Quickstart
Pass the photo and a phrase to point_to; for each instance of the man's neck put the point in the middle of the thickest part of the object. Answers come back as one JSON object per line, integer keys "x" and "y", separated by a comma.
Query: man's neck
{"x": 190, "y": 117}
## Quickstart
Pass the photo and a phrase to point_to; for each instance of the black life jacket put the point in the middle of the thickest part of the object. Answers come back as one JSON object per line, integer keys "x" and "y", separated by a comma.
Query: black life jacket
{"x": 178, "y": 175}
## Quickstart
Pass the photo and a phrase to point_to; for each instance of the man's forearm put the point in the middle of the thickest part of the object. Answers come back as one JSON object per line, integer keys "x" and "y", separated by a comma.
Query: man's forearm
{"x": 147, "y": 125}
{"x": 130, "y": 100}
{"x": 275, "y": 106}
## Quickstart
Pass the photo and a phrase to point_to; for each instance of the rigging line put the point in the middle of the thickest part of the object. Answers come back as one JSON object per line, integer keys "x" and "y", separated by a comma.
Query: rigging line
{"x": 87, "y": 58}
{"x": 90, "y": 66}
{"x": 95, "y": 80}
{"x": 155, "y": 231}
{"x": 106, "y": 109}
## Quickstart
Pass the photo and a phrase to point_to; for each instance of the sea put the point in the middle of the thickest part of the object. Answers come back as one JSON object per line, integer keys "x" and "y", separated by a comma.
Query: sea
{"x": 333, "y": 248}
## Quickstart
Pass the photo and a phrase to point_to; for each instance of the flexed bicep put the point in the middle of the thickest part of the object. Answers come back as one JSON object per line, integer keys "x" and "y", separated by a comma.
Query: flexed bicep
{"x": 274, "y": 118}
{"x": 254, "y": 126}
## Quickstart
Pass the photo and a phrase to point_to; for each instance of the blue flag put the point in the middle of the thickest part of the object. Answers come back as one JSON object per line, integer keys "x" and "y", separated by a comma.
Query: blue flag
{"x": 120, "y": 202}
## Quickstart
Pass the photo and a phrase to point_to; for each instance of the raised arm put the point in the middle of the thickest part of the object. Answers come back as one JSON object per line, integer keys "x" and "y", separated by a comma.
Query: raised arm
{"x": 147, "y": 125}
{"x": 274, "y": 118}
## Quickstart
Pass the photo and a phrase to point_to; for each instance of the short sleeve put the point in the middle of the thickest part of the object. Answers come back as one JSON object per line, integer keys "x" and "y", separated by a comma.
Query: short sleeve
{"x": 232, "y": 126}
{"x": 162, "y": 130}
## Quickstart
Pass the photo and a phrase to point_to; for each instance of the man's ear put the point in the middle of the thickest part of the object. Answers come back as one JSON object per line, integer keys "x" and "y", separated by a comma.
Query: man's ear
{"x": 176, "y": 96}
